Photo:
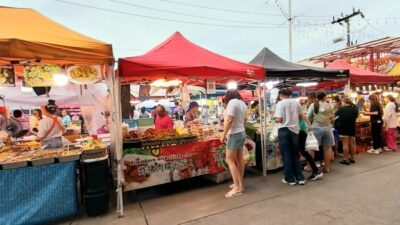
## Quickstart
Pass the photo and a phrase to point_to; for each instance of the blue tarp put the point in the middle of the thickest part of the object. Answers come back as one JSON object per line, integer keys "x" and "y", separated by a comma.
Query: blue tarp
{"x": 39, "y": 194}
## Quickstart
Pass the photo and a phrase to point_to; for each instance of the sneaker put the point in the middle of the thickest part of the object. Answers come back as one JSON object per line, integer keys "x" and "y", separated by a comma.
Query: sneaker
{"x": 373, "y": 151}
{"x": 345, "y": 162}
{"x": 316, "y": 176}
{"x": 389, "y": 149}
{"x": 379, "y": 150}
{"x": 302, "y": 182}
{"x": 290, "y": 183}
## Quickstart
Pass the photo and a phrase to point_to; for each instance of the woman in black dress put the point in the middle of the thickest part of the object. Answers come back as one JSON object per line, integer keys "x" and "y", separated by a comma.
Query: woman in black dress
{"x": 345, "y": 123}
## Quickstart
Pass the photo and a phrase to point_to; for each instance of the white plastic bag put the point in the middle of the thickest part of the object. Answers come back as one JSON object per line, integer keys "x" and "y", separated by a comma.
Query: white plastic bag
{"x": 312, "y": 142}
{"x": 273, "y": 136}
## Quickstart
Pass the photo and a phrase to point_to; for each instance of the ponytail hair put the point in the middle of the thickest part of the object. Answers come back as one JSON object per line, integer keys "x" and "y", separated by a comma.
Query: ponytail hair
{"x": 320, "y": 95}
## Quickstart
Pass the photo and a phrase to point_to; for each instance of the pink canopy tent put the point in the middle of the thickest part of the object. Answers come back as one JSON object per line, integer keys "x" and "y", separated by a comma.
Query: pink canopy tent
{"x": 178, "y": 58}
{"x": 359, "y": 76}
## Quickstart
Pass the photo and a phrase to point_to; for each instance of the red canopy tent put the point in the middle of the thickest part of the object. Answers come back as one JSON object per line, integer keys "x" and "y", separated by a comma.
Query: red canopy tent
{"x": 359, "y": 76}
{"x": 178, "y": 58}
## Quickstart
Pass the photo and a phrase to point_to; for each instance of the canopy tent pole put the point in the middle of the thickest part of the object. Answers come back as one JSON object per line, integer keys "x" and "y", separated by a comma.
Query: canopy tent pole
{"x": 116, "y": 135}
{"x": 262, "y": 125}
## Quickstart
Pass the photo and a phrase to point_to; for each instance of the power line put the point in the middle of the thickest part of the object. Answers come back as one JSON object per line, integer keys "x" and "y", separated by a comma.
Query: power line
{"x": 186, "y": 14}
{"x": 220, "y": 9}
{"x": 166, "y": 19}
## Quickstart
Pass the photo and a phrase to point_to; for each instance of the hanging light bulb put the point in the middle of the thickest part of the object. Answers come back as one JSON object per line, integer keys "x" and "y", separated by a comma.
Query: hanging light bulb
{"x": 60, "y": 79}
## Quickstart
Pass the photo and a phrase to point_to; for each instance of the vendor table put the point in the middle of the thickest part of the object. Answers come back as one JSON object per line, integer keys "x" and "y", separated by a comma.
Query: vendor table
{"x": 39, "y": 194}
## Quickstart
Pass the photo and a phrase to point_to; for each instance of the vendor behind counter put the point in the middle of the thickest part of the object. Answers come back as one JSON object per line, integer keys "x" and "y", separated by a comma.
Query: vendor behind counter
{"x": 51, "y": 125}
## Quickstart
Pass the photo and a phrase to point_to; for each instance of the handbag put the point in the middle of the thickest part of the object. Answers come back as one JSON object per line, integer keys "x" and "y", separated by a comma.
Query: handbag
{"x": 312, "y": 142}
{"x": 273, "y": 136}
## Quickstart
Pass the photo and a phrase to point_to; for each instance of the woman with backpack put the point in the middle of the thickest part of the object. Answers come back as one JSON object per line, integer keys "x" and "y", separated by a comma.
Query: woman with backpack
{"x": 320, "y": 114}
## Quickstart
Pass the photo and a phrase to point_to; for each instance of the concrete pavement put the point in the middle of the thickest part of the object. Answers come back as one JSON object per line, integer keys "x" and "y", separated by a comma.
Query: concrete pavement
{"x": 364, "y": 193}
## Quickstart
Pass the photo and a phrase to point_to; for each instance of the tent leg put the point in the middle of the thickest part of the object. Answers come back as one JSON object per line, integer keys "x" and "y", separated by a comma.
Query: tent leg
{"x": 262, "y": 125}
{"x": 116, "y": 131}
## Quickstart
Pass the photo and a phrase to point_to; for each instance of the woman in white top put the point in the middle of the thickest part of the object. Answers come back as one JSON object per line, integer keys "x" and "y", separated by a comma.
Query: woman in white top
{"x": 51, "y": 125}
{"x": 390, "y": 123}
{"x": 235, "y": 122}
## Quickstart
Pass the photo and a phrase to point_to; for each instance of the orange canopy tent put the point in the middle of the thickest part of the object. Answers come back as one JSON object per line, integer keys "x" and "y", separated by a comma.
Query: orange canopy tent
{"x": 28, "y": 35}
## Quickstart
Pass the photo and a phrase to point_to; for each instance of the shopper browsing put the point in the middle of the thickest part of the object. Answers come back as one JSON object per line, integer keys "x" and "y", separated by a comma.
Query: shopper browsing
{"x": 345, "y": 120}
{"x": 234, "y": 127}
{"x": 288, "y": 112}
{"x": 390, "y": 123}
{"x": 320, "y": 114}
{"x": 143, "y": 114}
{"x": 303, "y": 133}
{"x": 375, "y": 113}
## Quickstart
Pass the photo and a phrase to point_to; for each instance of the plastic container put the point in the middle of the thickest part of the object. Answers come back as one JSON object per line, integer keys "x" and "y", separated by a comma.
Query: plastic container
{"x": 95, "y": 174}
{"x": 97, "y": 203}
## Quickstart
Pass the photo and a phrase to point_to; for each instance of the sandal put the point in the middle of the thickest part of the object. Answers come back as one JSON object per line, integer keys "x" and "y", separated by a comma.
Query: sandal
{"x": 352, "y": 161}
{"x": 232, "y": 186}
{"x": 233, "y": 193}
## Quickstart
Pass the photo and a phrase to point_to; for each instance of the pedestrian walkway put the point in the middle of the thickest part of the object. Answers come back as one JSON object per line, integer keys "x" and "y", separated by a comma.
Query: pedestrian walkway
{"x": 364, "y": 193}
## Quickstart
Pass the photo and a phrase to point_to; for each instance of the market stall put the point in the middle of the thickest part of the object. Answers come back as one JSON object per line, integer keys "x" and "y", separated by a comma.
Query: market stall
{"x": 39, "y": 186}
{"x": 365, "y": 82}
{"x": 175, "y": 155}
{"x": 282, "y": 73}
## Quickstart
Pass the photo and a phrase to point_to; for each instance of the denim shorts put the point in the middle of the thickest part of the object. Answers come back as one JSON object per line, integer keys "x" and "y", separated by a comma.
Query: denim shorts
{"x": 324, "y": 136}
{"x": 236, "y": 141}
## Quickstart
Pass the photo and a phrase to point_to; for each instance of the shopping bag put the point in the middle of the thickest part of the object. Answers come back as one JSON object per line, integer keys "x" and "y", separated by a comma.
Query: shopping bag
{"x": 273, "y": 136}
{"x": 312, "y": 142}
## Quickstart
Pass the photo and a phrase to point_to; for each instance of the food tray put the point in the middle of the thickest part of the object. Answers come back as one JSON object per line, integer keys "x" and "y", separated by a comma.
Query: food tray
{"x": 13, "y": 165}
{"x": 68, "y": 158}
{"x": 43, "y": 161}
{"x": 93, "y": 153}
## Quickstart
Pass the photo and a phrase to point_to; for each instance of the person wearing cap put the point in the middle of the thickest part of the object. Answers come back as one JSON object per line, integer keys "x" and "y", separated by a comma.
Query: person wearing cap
{"x": 288, "y": 112}
{"x": 191, "y": 114}
{"x": 51, "y": 125}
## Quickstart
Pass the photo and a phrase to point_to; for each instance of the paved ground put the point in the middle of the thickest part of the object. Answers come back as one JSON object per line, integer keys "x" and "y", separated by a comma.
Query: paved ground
{"x": 365, "y": 193}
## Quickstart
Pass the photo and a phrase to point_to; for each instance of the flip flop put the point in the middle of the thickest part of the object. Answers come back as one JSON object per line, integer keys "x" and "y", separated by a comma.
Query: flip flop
{"x": 233, "y": 193}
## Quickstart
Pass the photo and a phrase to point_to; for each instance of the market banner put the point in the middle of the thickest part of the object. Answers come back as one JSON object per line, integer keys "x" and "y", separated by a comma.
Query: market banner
{"x": 40, "y": 75}
{"x": 7, "y": 76}
{"x": 84, "y": 74}
{"x": 148, "y": 167}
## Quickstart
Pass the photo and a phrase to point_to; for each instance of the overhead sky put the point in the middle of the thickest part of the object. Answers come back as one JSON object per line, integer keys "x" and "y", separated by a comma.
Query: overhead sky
{"x": 238, "y": 29}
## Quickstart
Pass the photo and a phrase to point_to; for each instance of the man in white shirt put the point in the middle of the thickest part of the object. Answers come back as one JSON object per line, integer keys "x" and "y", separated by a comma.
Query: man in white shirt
{"x": 287, "y": 113}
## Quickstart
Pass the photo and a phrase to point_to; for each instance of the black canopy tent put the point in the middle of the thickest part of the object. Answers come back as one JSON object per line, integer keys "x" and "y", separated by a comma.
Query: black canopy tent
{"x": 292, "y": 73}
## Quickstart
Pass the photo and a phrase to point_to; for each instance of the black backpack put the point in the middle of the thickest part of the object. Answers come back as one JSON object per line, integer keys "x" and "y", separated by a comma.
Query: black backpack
{"x": 14, "y": 128}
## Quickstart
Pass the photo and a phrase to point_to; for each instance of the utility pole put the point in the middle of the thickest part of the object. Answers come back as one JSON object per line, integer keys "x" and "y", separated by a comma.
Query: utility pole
{"x": 346, "y": 19}
{"x": 290, "y": 29}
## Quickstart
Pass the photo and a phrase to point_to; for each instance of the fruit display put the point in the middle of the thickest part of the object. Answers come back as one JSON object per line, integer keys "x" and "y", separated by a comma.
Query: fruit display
{"x": 93, "y": 144}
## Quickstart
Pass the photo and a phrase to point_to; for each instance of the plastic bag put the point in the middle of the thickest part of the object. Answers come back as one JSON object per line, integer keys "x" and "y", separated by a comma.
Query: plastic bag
{"x": 273, "y": 136}
{"x": 312, "y": 142}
